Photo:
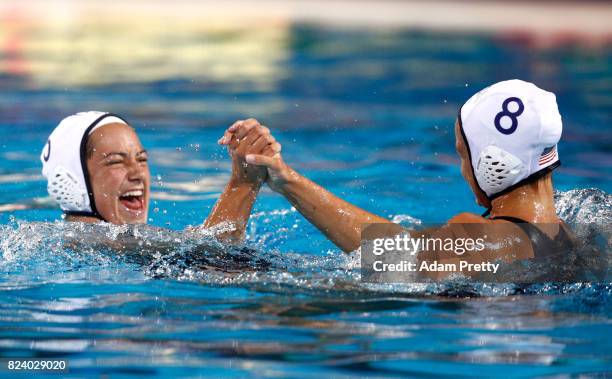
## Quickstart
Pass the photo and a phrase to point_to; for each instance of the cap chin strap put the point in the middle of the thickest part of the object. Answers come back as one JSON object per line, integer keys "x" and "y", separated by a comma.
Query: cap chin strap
{"x": 83, "y": 155}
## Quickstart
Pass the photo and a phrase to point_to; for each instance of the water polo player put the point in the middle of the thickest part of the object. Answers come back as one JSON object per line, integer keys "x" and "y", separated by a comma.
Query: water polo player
{"x": 506, "y": 136}
{"x": 97, "y": 170}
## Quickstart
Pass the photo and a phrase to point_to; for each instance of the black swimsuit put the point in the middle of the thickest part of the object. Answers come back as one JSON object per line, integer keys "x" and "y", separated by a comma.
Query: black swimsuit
{"x": 564, "y": 258}
{"x": 541, "y": 243}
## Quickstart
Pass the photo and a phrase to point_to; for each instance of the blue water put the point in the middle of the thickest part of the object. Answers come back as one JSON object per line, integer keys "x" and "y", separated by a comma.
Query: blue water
{"x": 368, "y": 115}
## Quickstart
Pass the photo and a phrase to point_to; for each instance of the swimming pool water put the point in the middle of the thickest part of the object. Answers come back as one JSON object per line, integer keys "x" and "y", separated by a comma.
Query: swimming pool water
{"x": 367, "y": 114}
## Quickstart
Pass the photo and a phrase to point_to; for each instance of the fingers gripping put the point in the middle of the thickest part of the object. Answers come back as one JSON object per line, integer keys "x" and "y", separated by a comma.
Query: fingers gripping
{"x": 250, "y": 137}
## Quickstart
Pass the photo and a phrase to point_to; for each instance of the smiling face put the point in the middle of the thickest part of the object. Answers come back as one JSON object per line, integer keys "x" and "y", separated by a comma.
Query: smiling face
{"x": 119, "y": 174}
{"x": 466, "y": 169}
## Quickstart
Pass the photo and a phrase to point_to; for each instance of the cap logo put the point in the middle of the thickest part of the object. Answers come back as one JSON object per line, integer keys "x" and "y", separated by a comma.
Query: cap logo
{"x": 548, "y": 155}
{"x": 513, "y": 116}
{"x": 48, "y": 151}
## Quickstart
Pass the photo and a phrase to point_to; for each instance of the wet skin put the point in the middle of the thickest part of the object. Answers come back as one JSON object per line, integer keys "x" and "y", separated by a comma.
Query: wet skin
{"x": 119, "y": 174}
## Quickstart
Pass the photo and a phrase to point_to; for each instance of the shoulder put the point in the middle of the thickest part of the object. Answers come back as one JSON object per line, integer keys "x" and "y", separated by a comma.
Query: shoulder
{"x": 468, "y": 218}
{"x": 516, "y": 248}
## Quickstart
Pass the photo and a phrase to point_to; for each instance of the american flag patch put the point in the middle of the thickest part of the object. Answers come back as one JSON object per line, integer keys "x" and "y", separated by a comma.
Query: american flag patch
{"x": 548, "y": 155}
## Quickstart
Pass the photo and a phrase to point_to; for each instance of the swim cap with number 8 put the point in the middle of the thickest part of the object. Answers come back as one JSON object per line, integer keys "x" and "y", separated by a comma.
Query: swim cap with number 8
{"x": 511, "y": 130}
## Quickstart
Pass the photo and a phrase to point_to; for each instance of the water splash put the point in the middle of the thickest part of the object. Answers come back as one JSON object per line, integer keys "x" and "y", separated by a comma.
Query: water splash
{"x": 62, "y": 251}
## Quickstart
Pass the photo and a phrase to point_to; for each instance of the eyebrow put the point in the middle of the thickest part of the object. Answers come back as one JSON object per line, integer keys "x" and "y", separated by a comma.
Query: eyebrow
{"x": 106, "y": 155}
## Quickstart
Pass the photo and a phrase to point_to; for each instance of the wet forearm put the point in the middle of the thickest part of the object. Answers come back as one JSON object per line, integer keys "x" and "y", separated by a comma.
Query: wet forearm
{"x": 339, "y": 220}
{"x": 234, "y": 206}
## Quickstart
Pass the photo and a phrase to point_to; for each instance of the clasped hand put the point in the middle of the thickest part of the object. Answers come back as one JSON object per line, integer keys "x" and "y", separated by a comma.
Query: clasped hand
{"x": 255, "y": 154}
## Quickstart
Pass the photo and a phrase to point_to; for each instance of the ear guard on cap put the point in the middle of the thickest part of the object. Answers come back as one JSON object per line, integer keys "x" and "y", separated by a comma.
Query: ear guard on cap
{"x": 66, "y": 190}
{"x": 497, "y": 169}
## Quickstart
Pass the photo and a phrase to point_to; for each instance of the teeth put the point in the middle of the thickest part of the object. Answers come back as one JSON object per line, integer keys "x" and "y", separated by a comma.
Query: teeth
{"x": 132, "y": 193}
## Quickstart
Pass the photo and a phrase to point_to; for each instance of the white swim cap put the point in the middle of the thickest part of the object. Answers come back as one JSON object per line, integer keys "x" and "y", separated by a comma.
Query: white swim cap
{"x": 64, "y": 160}
{"x": 511, "y": 130}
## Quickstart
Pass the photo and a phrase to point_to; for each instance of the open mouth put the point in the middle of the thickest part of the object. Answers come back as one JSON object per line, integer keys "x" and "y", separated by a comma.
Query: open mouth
{"x": 133, "y": 200}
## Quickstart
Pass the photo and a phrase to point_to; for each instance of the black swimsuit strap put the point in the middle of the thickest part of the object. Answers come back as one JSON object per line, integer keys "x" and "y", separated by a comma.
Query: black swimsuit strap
{"x": 515, "y": 220}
